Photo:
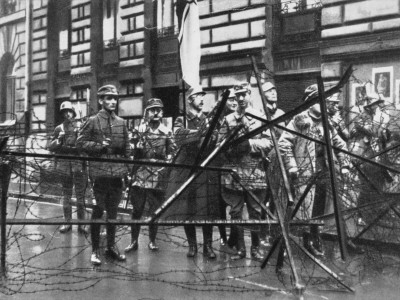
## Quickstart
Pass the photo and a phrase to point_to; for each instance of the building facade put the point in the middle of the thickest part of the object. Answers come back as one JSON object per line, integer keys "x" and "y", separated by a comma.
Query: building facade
{"x": 57, "y": 50}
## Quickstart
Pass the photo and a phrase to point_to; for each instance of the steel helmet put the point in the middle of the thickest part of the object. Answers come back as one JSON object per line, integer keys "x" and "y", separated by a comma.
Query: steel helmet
{"x": 315, "y": 112}
{"x": 67, "y": 105}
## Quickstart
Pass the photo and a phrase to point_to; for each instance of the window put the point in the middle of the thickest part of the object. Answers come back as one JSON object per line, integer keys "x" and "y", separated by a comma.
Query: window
{"x": 39, "y": 23}
{"x": 39, "y": 66}
{"x": 81, "y": 35}
{"x": 39, "y": 99}
{"x": 39, "y": 45}
{"x": 130, "y": 88}
{"x": 132, "y": 50}
{"x": 79, "y": 99}
{"x": 80, "y": 59}
{"x": 130, "y": 103}
{"x": 80, "y": 93}
{"x": 39, "y": 4}
{"x": 81, "y": 11}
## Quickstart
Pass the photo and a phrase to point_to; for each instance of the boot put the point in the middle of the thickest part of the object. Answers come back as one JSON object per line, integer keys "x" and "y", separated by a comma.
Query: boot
{"x": 256, "y": 254}
{"x": 65, "y": 228}
{"x": 153, "y": 246}
{"x": 113, "y": 253}
{"x": 152, "y": 234}
{"x": 190, "y": 231}
{"x": 317, "y": 240}
{"x": 81, "y": 216}
{"x": 134, "y": 245}
{"x": 309, "y": 244}
{"x": 208, "y": 251}
{"x": 67, "y": 216}
{"x": 207, "y": 238}
{"x": 222, "y": 234}
{"x": 241, "y": 253}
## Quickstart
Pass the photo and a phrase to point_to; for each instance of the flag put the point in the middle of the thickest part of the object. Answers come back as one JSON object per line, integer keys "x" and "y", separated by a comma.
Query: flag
{"x": 189, "y": 41}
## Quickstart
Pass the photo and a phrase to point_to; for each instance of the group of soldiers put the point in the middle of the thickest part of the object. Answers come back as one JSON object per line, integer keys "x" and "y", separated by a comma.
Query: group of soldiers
{"x": 251, "y": 182}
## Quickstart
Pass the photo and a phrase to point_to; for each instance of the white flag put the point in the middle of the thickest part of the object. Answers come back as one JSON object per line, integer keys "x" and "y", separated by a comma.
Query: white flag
{"x": 189, "y": 41}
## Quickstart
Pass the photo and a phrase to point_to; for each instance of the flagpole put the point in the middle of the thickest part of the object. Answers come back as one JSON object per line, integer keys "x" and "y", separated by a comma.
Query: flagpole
{"x": 183, "y": 87}
{"x": 184, "y": 101}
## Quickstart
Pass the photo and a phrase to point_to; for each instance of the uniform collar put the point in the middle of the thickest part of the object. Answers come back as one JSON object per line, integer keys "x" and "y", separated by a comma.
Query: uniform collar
{"x": 191, "y": 115}
{"x": 106, "y": 115}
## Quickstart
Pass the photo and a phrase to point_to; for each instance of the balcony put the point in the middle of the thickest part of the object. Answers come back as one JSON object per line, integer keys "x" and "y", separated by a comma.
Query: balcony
{"x": 7, "y": 7}
{"x": 64, "y": 61}
{"x": 168, "y": 31}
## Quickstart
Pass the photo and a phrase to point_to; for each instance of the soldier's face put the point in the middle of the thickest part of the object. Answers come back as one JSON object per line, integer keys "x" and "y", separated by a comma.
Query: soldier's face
{"x": 154, "y": 114}
{"x": 271, "y": 95}
{"x": 109, "y": 102}
{"x": 232, "y": 104}
{"x": 197, "y": 102}
{"x": 332, "y": 107}
{"x": 68, "y": 115}
{"x": 243, "y": 99}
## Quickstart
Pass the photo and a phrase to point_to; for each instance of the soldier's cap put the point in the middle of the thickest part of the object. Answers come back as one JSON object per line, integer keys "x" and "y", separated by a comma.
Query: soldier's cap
{"x": 231, "y": 93}
{"x": 312, "y": 90}
{"x": 198, "y": 90}
{"x": 373, "y": 99}
{"x": 315, "y": 112}
{"x": 107, "y": 90}
{"x": 153, "y": 102}
{"x": 242, "y": 87}
{"x": 333, "y": 98}
{"x": 268, "y": 86}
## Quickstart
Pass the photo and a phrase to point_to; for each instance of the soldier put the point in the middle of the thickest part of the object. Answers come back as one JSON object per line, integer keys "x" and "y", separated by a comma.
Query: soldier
{"x": 245, "y": 160}
{"x": 271, "y": 97}
{"x": 74, "y": 172}
{"x": 230, "y": 107}
{"x": 200, "y": 200}
{"x": 105, "y": 135}
{"x": 370, "y": 135}
{"x": 304, "y": 160}
{"x": 153, "y": 142}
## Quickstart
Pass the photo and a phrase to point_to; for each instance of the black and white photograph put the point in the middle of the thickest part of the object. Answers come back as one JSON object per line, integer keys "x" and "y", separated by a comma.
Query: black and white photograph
{"x": 199, "y": 149}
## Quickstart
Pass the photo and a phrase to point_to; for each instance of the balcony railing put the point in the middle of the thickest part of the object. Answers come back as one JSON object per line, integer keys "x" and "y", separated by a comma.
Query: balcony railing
{"x": 7, "y": 7}
{"x": 290, "y": 6}
{"x": 168, "y": 31}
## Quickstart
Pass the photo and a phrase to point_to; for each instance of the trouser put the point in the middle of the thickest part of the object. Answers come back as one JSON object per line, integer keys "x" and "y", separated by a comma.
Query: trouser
{"x": 236, "y": 199}
{"x": 108, "y": 194}
{"x": 139, "y": 196}
{"x": 78, "y": 179}
{"x": 190, "y": 231}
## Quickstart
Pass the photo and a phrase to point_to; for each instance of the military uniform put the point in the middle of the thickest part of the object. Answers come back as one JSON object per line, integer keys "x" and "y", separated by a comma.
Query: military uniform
{"x": 73, "y": 173}
{"x": 149, "y": 182}
{"x": 108, "y": 184}
{"x": 200, "y": 200}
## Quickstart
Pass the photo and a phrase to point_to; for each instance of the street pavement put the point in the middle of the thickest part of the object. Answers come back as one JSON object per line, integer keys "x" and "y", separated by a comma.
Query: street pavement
{"x": 45, "y": 264}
